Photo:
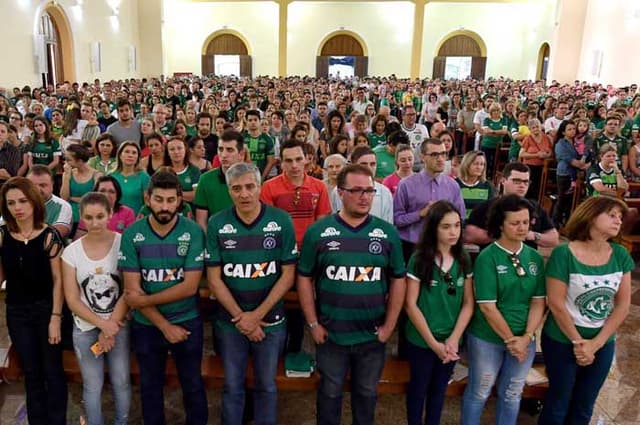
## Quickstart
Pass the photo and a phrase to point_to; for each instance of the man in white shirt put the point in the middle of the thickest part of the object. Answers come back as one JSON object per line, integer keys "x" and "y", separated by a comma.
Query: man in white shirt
{"x": 416, "y": 132}
{"x": 478, "y": 119}
{"x": 361, "y": 102}
{"x": 552, "y": 123}
{"x": 382, "y": 206}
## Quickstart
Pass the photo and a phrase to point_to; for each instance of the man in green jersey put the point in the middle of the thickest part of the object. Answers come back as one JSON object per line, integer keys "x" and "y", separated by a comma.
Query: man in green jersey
{"x": 354, "y": 262}
{"x": 212, "y": 194}
{"x": 251, "y": 265}
{"x": 260, "y": 145}
{"x": 161, "y": 258}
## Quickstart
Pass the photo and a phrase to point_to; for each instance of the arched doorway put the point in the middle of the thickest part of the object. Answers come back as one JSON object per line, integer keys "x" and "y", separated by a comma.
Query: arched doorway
{"x": 54, "y": 46}
{"x": 460, "y": 55}
{"x": 543, "y": 62}
{"x": 342, "y": 52}
{"x": 226, "y": 52}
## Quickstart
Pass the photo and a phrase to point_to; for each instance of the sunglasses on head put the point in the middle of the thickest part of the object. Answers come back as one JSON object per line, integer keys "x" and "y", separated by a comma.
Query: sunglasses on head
{"x": 515, "y": 260}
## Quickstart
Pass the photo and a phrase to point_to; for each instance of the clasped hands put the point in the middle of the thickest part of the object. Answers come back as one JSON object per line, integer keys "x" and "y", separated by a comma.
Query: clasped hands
{"x": 585, "y": 351}
{"x": 250, "y": 324}
{"x": 518, "y": 346}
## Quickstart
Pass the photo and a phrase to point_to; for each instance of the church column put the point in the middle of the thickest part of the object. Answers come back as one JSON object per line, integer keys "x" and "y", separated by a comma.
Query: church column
{"x": 283, "y": 9}
{"x": 566, "y": 43}
{"x": 418, "y": 31}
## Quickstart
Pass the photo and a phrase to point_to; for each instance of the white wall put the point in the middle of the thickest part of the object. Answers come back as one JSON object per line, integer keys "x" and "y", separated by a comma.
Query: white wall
{"x": 89, "y": 23}
{"x": 512, "y": 32}
{"x": 612, "y": 27}
{"x": 187, "y": 26}
{"x": 386, "y": 28}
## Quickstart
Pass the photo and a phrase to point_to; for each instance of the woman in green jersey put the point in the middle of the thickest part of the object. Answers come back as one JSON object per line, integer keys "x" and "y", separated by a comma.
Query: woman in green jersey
{"x": 439, "y": 304}
{"x": 45, "y": 149}
{"x": 133, "y": 181}
{"x": 176, "y": 156}
{"x": 472, "y": 179}
{"x": 589, "y": 293}
{"x": 510, "y": 304}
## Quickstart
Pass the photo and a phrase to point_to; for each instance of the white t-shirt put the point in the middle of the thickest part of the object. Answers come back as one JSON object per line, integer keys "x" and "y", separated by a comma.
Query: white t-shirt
{"x": 99, "y": 281}
{"x": 552, "y": 124}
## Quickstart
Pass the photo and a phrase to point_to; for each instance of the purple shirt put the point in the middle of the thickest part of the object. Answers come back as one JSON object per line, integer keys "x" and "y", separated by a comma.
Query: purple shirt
{"x": 414, "y": 193}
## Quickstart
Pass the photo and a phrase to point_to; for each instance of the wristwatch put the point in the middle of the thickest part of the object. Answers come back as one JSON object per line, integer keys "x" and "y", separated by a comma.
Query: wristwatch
{"x": 531, "y": 336}
{"x": 312, "y": 325}
{"x": 536, "y": 236}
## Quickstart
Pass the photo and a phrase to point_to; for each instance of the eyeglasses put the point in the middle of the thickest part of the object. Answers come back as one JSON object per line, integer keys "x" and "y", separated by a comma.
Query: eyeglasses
{"x": 370, "y": 191}
{"x": 435, "y": 155}
{"x": 451, "y": 287}
{"x": 515, "y": 260}
{"x": 520, "y": 181}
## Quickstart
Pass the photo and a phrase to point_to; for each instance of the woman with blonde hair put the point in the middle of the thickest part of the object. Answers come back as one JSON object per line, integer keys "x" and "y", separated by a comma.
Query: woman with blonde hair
{"x": 472, "y": 179}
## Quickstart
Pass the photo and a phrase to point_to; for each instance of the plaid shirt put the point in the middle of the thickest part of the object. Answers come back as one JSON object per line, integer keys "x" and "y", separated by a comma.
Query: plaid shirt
{"x": 10, "y": 158}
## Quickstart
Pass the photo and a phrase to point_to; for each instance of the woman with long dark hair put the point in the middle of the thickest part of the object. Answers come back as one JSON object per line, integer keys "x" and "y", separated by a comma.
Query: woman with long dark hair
{"x": 439, "y": 304}
{"x": 30, "y": 264}
{"x": 334, "y": 126}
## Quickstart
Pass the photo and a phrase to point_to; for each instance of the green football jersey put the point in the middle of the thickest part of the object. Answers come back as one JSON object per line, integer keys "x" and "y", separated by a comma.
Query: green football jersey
{"x": 385, "y": 162}
{"x": 438, "y": 303}
{"x": 489, "y": 141}
{"x": 43, "y": 153}
{"x": 162, "y": 263}
{"x": 376, "y": 139}
{"x": 188, "y": 177}
{"x": 259, "y": 149}
{"x": 351, "y": 268}
{"x": 251, "y": 257}
{"x": 596, "y": 173}
{"x": 591, "y": 290}
{"x": 475, "y": 195}
{"x": 212, "y": 193}
{"x": 618, "y": 142}
{"x": 496, "y": 280}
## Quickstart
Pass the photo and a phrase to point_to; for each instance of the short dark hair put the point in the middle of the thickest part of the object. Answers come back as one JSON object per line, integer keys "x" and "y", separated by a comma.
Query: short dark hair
{"x": 514, "y": 166}
{"x": 122, "y": 103}
{"x": 398, "y": 137}
{"x": 164, "y": 180}
{"x": 429, "y": 141}
{"x": 205, "y": 115}
{"x": 359, "y": 152}
{"x": 253, "y": 112}
{"x": 352, "y": 169}
{"x": 229, "y": 135}
{"x": 291, "y": 144}
{"x": 499, "y": 209}
{"x": 40, "y": 170}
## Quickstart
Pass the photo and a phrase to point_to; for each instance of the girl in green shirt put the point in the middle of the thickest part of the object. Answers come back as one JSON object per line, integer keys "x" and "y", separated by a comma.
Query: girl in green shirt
{"x": 439, "y": 304}
{"x": 176, "y": 156}
{"x": 44, "y": 149}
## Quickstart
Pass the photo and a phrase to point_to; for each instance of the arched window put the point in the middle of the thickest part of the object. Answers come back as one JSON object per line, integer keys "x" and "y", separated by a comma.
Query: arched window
{"x": 543, "y": 61}
{"x": 460, "y": 55}
{"x": 342, "y": 53}
{"x": 226, "y": 53}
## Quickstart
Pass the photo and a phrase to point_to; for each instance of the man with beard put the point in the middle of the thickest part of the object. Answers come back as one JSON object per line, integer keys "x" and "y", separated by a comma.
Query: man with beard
{"x": 161, "y": 259}
{"x": 205, "y": 121}
{"x": 126, "y": 128}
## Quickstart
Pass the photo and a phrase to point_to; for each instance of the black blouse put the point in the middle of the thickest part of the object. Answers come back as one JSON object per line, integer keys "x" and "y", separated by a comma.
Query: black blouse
{"x": 27, "y": 267}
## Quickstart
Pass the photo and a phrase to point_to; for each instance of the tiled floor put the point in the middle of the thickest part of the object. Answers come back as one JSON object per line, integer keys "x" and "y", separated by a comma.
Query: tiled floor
{"x": 619, "y": 401}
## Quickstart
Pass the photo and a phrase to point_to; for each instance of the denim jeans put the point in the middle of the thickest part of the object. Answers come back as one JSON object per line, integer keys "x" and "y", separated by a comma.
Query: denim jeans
{"x": 489, "y": 362}
{"x": 92, "y": 369}
{"x": 151, "y": 350}
{"x": 41, "y": 362}
{"x": 572, "y": 389}
{"x": 365, "y": 362}
{"x": 490, "y": 156}
{"x": 428, "y": 380}
{"x": 235, "y": 349}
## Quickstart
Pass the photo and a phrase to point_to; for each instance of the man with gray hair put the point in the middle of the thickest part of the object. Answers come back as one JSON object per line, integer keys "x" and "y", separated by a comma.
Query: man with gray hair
{"x": 251, "y": 265}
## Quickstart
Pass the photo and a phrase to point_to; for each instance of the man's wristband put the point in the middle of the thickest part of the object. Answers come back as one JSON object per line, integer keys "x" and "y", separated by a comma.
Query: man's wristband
{"x": 312, "y": 325}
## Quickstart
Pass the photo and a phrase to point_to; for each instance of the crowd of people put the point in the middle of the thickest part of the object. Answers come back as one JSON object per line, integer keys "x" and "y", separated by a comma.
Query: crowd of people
{"x": 363, "y": 195}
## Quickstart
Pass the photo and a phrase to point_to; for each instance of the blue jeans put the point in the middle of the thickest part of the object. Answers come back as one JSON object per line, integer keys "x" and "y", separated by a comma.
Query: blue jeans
{"x": 41, "y": 363}
{"x": 490, "y": 156}
{"x": 235, "y": 349}
{"x": 489, "y": 362}
{"x": 572, "y": 389}
{"x": 365, "y": 362}
{"x": 428, "y": 380}
{"x": 151, "y": 350}
{"x": 92, "y": 369}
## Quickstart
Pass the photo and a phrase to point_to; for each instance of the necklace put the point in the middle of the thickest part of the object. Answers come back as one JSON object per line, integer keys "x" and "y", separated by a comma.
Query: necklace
{"x": 25, "y": 238}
